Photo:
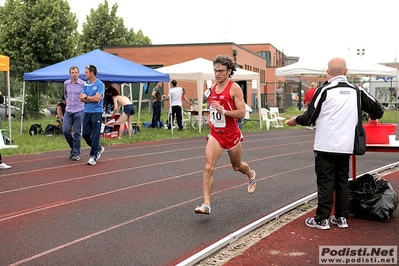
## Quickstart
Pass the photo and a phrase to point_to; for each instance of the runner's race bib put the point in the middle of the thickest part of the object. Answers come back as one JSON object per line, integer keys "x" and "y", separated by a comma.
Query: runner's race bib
{"x": 217, "y": 120}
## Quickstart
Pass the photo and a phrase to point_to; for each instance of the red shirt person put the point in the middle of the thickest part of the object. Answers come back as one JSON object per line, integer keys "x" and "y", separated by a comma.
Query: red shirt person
{"x": 309, "y": 93}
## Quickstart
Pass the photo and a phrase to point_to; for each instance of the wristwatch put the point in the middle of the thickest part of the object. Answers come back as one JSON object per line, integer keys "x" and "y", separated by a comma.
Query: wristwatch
{"x": 86, "y": 97}
{"x": 223, "y": 111}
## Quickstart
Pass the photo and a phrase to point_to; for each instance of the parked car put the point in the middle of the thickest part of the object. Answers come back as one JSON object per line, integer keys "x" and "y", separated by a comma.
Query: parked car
{"x": 4, "y": 111}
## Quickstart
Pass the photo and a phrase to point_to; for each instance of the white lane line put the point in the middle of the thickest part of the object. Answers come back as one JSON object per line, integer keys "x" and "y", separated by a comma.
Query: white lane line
{"x": 135, "y": 219}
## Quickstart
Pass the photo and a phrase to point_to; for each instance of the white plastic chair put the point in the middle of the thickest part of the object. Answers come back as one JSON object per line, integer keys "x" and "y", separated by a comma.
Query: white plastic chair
{"x": 185, "y": 118}
{"x": 275, "y": 110}
{"x": 269, "y": 118}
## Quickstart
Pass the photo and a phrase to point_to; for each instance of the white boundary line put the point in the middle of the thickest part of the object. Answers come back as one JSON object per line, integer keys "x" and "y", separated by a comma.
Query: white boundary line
{"x": 206, "y": 252}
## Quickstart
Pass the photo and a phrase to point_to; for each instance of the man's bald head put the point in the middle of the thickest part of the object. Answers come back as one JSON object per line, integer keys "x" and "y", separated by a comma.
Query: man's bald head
{"x": 336, "y": 67}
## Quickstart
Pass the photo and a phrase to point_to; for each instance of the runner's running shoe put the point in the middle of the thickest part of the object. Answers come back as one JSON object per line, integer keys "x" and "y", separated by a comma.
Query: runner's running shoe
{"x": 252, "y": 184}
{"x": 203, "y": 209}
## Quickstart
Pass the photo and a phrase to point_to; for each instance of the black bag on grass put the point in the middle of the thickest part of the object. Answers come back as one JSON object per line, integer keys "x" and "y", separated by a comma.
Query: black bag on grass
{"x": 372, "y": 198}
{"x": 35, "y": 129}
{"x": 50, "y": 130}
{"x": 53, "y": 130}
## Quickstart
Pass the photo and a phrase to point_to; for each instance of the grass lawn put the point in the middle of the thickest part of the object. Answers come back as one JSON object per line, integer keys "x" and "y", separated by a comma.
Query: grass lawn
{"x": 40, "y": 143}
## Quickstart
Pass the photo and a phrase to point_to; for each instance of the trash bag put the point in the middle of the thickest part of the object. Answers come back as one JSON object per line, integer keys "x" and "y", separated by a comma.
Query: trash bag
{"x": 372, "y": 198}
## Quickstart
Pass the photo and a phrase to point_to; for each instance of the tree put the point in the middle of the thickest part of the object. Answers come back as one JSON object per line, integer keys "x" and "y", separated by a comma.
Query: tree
{"x": 37, "y": 33}
{"x": 34, "y": 34}
{"x": 103, "y": 27}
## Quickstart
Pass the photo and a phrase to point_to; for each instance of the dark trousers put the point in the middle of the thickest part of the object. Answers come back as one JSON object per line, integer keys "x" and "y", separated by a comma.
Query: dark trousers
{"x": 176, "y": 110}
{"x": 156, "y": 114}
{"x": 1, "y": 159}
{"x": 91, "y": 131}
{"x": 332, "y": 172}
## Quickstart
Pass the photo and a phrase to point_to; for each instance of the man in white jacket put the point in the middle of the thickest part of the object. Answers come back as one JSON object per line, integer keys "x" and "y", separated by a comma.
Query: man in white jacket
{"x": 334, "y": 107}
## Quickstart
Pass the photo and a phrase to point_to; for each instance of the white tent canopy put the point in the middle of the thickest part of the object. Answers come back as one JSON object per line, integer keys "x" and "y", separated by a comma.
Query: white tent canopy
{"x": 362, "y": 67}
{"x": 356, "y": 66}
{"x": 302, "y": 68}
{"x": 201, "y": 70}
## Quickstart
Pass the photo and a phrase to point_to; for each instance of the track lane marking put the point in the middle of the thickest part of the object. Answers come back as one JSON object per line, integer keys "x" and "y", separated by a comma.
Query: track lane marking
{"x": 145, "y": 184}
{"x": 89, "y": 236}
{"x": 4, "y": 216}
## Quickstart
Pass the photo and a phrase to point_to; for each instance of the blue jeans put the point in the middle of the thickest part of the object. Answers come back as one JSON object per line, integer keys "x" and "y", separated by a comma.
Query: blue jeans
{"x": 74, "y": 120}
{"x": 91, "y": 131}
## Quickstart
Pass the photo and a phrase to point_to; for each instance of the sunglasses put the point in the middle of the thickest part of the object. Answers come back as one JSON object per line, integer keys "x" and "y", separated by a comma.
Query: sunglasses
{"x": 91, "y": 68}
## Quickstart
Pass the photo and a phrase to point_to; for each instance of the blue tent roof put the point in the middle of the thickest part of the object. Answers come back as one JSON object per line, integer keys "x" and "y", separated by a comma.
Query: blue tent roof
{"x": 109, "y": 68}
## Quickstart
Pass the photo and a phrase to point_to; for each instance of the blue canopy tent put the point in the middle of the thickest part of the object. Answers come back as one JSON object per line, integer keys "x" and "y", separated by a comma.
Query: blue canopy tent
{"x": 110, "y": 68}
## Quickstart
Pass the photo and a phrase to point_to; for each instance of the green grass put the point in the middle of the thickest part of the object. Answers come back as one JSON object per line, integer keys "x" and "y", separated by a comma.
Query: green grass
{"x": 41, "y": 143}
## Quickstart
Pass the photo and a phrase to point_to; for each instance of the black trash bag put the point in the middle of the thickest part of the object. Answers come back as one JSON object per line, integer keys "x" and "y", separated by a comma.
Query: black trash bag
{"x": 372, "y": 198}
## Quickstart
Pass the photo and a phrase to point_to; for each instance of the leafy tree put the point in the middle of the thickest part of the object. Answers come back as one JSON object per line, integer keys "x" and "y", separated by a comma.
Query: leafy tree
{"x": 103, "y": 27}
{"x": 34, "y": 34}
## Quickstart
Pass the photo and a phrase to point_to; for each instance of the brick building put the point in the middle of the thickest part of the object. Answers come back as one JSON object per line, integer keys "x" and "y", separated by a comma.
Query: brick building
{"x": 260, "y": 58}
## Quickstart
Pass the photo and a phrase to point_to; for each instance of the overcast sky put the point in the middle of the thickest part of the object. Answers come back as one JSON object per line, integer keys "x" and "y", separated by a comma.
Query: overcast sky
{"x": 307, "y": 28}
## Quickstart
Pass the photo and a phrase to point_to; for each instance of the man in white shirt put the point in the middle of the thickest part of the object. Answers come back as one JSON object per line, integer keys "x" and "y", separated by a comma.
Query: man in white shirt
{"x": 176, "y": 97}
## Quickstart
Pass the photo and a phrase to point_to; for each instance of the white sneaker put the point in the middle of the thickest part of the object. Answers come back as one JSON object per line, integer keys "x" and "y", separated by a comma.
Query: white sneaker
{"x": 4, "y": 166}
{"x": 102, "y": 149}
{"x": 91, "y": 161}
{"x": 340, "y": 222}
{"x": 252, "y": 184}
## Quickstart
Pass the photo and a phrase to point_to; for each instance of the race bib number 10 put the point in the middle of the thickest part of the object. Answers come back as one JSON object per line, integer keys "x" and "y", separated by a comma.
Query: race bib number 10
{"x": 217, "y": 120}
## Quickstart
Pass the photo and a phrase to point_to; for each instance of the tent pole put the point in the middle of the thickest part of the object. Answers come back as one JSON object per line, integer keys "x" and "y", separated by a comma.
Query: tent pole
{"x": 140, "y": 99}
{"x": 23, "y": 105}
{"x": 170, "y": 118}
{"x": 9, "y": 103}
{"x": 200, "y": 92}
{"x": 259, "y": 103}
{"x": 397, "y": 107}
{"x": 131, "y": 92}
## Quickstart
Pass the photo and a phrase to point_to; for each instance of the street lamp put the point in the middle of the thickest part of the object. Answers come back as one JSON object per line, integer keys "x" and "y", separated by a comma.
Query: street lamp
{"x": 360, "y": 52}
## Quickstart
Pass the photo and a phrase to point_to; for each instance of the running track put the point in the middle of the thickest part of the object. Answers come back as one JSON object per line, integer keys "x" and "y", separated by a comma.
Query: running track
{"x": 136, "y": 206}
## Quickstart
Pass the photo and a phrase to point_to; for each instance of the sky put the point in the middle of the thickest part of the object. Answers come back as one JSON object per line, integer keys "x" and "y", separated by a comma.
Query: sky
{"x": 308, "y": 29}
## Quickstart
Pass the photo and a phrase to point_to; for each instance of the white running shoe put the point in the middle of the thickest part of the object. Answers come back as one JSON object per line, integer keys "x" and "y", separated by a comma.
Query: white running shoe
{"x": 91, "y": 161}
{"x": 252, "y": 183}
{"x": 340, "y": 222}
{"x": 4, "y": 166}
{"x": 102, "y": 149}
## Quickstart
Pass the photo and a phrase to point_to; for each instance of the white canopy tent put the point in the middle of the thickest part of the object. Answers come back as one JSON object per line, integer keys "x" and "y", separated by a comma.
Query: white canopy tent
{"x": 302, "y": 68}
{"x": 356, "y": 67}
{"x": 362, "y": 67}
{"x": 201, "y": 70}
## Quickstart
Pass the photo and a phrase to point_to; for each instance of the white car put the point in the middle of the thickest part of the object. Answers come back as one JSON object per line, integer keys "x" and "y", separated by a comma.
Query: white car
{"x": 4, "y": 111}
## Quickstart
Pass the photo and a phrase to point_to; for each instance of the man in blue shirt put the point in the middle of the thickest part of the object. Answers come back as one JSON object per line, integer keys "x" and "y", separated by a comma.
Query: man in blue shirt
{"x": 92, "y": 95}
